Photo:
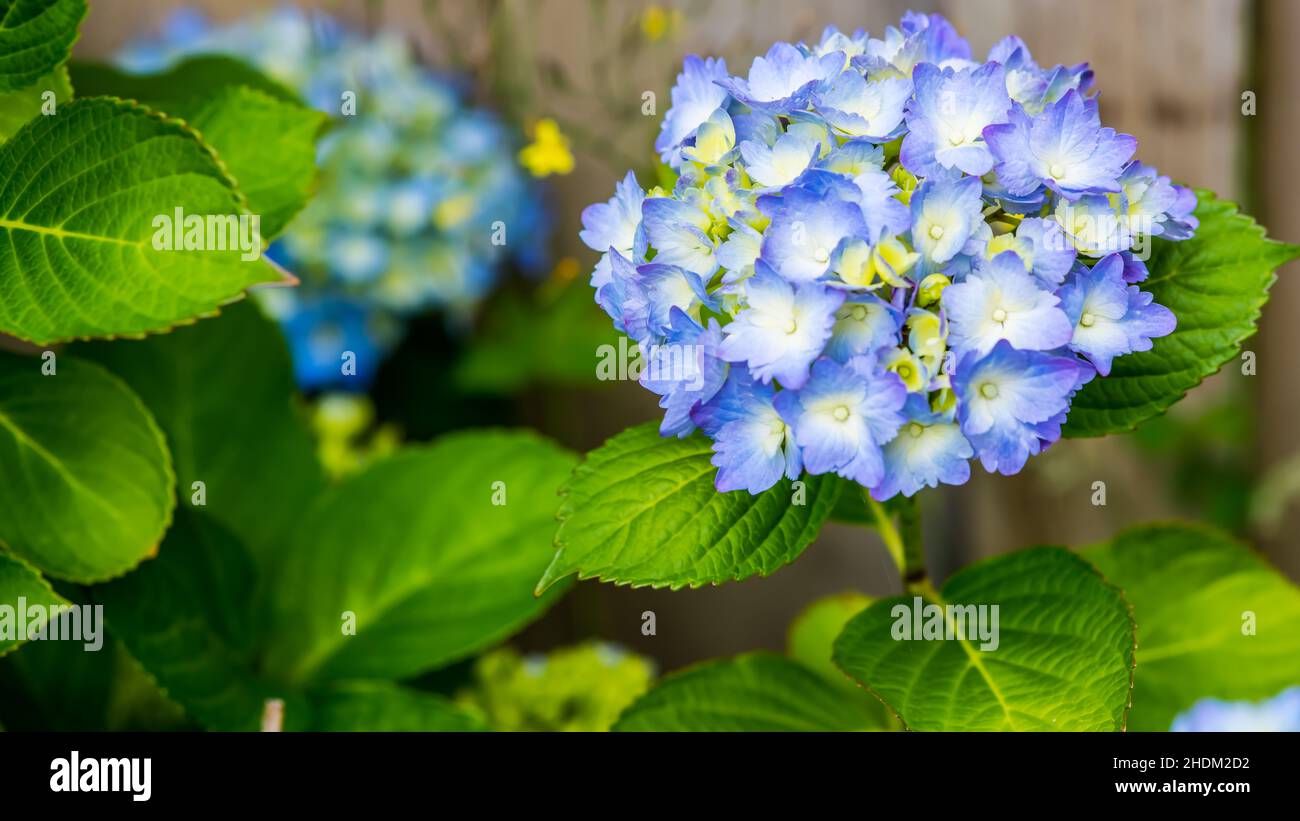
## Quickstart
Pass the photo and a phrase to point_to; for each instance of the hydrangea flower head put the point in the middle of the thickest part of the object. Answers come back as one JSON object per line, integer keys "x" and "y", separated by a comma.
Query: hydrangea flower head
{"x": 886, "y": 258}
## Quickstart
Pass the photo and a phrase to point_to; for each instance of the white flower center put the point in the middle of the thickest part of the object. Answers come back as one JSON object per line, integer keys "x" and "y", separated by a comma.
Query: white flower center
{"x": 989, "y": 391}
{"x": 1087, "y": 320}
{"x": 821, "y": 255}
{"x": 791, "y": 326}
{"x": 915, "y": 430}
{"x": 999, "y": 315}
{"x": 936, "y": 232}
{"x": 841, "y": 412}
{"x": 859, "y": 312}
{"x": 1057, "y": 170}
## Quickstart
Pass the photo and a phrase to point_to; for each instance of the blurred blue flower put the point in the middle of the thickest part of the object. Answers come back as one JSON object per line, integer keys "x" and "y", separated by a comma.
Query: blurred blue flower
{"x": 1280, "y": 714}
{"x": 421, "y": 203}
{"x": 335, "y": 343}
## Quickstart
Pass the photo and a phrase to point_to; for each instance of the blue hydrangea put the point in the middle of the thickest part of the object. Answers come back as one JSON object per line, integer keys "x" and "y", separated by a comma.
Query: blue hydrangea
{"x": 884, "y": 258}
{"x": 412, "y": 187}
{"x": 1280, "y": 714}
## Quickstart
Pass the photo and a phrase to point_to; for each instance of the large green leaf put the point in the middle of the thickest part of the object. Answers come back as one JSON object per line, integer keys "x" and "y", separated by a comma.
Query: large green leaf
{"x": 265, "y": 137}
{"x": 57, "y": 686}
{"x": 86, "y": 476}
{"x": 812, "y": 634}
{"x": 758, "y": 692}
{"x": 188, "y": 617}
{"x": 17, "y": 107}
{"x": 222, "y": 393}
{"x": 1215, "y": 283}
{"x": 36, "y": 36}
{"x": 1063, "y": 658}
{"x": 381, "y": 706}
{"x": 20, "y": 586}
{"x": 80, "y": 194}
{"x": 811, "y": 641}
{"x": 417, "y": 550}
{"x": 643, "y": 510}
{"x": 1192, "y": 589}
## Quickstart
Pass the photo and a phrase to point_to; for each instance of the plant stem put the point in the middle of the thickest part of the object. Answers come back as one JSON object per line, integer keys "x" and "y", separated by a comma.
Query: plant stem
{"x": 885, "y": 525}
{"x": 903, "y": 540}
{"x": 909, "y": 522}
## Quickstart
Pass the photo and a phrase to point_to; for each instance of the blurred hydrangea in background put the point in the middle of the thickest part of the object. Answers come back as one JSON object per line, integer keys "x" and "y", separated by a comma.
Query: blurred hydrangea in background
{"x": 582, "y": 688}
{"x": 422, "y": 202}
{"x": 1280, "y": 714}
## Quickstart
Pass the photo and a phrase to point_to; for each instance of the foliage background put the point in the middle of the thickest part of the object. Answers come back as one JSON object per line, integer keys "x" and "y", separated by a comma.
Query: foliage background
{"x": 1172, "y": 72}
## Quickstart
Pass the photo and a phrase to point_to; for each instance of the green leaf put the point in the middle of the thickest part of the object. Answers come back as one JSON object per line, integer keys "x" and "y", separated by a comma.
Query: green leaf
{"x": 757, "y": 692}
{"x": 21, "y": 585}
{"x": 1215, "y": 283}
{"x": 811, "y": 639}
{"x": 1191, "y": 588}
{"x": 813, "y": 632}
{"x": 264, "y": 135}
{"x": 1063, "y": 659}
{"x": 17, "y": 107}
{"x": 187, "y": 616}
{"x": 642, "y": 510}
{"x": 182, "y": 84}
{"x": 851, "y": 508}
{"x": 86, "y": 475}
{"x": 79, "y": 194}
{"x": 505, "y": 358}
{"x": 384, "y": 707}
{"x": 36, "y": 37}
{"x": 415, "y": 547}
{"x": 222, "y": 393}
{"x": 58, "y": 686}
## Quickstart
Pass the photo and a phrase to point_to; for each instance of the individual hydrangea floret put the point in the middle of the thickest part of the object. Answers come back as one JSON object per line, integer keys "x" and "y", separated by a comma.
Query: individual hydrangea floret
{"x": 1064, "y": 148}
{"x": 884, "y": 258}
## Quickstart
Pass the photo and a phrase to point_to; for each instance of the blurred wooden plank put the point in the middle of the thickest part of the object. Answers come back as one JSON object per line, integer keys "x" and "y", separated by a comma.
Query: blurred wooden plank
{"x": 1278, "y": 179}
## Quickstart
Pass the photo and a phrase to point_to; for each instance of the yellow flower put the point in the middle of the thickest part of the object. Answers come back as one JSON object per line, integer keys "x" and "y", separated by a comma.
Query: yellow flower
{"x": 658, "y": 22}
{"x": 549, "y": 151}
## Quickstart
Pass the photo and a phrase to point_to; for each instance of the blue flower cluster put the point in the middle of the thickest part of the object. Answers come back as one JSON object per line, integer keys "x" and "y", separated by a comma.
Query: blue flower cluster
{"x": 1280, "y": 714}
{"x": 412, "y": 188}
{"x": 883, "y": 258}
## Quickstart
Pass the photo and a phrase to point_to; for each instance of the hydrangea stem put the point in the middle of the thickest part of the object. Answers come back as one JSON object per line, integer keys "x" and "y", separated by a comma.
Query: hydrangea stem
{"x": 902, "y": 539}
